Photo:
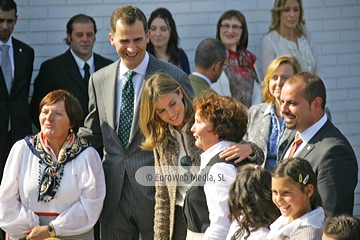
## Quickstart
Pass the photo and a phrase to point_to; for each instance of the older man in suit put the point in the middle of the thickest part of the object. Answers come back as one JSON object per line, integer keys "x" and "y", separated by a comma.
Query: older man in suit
{"x": 15, "y": 76}
{"x": 114, "y": 93}
{"x": 71, "y": 70}
{"x": 210, "y": 59}
{"x": 317, "y": 140}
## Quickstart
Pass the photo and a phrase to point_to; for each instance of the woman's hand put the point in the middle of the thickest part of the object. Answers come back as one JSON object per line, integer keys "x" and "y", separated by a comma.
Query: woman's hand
{"x": 236, "y": 151}
{"x": 37, "y": 233}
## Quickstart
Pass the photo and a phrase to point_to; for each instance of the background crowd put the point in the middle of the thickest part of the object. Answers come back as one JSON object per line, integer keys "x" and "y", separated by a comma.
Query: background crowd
{"x": 112, "y": 103}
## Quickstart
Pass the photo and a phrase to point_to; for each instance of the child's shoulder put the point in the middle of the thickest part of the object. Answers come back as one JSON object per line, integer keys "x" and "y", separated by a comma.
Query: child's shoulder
{"x": 307, "y": 232}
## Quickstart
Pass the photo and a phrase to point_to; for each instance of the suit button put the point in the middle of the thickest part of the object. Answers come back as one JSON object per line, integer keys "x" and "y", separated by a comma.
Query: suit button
{"x": 121, "y": 176}
{"x": 126, "y": 157}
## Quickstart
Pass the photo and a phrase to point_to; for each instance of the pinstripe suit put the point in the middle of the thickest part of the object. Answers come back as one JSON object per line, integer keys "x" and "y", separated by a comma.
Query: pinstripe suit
{"x": 121, "y": 165}
{"x": 258, "y": 130}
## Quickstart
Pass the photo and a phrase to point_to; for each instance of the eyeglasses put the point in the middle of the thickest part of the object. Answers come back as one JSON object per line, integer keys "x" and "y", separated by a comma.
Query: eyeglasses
{"x": 185, "y": 161}
{"x": 234, "y": 27}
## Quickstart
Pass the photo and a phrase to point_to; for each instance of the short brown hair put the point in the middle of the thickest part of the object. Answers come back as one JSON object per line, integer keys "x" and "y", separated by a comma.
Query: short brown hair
{"x": 128, "y": 15}
{"x": 243, "y": 42}
{"x": 342, "y": 227}
{"x": 227, "y": 116}
{"x": 72, "y": 106}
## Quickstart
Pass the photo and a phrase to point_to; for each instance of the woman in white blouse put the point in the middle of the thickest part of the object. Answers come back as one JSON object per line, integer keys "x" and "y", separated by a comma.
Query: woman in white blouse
{"x": 55, "y": 184}
{"x": 289, "y": 36}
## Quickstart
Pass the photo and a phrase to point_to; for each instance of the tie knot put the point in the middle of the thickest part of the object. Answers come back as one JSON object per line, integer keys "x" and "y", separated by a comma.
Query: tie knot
{"x": 298, "y": 139}
{"x": 130, "y": 74}
{"x": 86, "y": 67}
{"x": 4, "y": 48}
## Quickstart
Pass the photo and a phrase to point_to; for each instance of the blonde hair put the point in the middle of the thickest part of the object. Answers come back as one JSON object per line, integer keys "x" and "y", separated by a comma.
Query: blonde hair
{"x": 150, "y": 123}
{"x": 280, "y": 6}
{"x": 274, "y": 65}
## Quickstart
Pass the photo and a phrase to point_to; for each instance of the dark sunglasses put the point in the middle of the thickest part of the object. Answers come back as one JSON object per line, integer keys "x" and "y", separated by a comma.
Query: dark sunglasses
{"x": 185, "y": 161}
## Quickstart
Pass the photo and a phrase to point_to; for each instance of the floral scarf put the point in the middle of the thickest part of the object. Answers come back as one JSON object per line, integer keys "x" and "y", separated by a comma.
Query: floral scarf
{"x": 49, "y": 179}
{"x": 241, "y": 73}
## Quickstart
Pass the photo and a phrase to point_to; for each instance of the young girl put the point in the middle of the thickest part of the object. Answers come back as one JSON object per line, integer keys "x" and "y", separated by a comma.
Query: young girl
{"x": 294, "y": 192}
{"x": 250, "y": 205}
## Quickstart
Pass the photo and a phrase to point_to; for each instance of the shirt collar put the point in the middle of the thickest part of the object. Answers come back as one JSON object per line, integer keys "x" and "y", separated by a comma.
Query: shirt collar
{"x": 173, "y": 131}
{"x": 269, "y": 109}
{"x": 312, "y": 130}
{"x": 9, "y": 42}
{"x": 211, "y": 152}
{"x": 81, "y": 62}
{"x": 140, "y": 69}
{"x": 202, "y": 76}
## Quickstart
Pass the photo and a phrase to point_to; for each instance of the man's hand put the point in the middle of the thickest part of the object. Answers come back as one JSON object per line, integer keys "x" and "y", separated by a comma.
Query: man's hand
{"x": 237, "y": 151}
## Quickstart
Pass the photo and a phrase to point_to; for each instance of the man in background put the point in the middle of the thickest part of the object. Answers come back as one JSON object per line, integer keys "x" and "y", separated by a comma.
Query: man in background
{"x": 71, "y": 70}
{"x": 210, "y": 59}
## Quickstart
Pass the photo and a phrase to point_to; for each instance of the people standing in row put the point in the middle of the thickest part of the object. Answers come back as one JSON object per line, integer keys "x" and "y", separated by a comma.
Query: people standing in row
{"x": 240, "y": 78}
{"x": 164, "y": 39}
{"x": 71, "y": 70}
{"x": 211, "y": 57}
{"x": 289, "y": 36}
{"x": 114, "y": 93}
{"x": 316, "y": 139}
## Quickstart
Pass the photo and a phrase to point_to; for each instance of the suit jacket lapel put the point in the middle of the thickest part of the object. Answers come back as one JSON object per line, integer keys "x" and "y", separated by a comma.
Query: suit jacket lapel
{"x": 19, "y": 61}
{"x": 109, "y": 88}
{"x": 73, "y": 70}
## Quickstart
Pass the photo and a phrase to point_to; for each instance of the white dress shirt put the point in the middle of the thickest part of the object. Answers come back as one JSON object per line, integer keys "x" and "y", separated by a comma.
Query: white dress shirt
{"x": 203, "y": 77}
{"x": 137, "y": 79}
{"x": 81, "y": 63}
{"x": 307, "y": 135}
{"x": 217, "y": 192}
{"x": 11, "y": 54}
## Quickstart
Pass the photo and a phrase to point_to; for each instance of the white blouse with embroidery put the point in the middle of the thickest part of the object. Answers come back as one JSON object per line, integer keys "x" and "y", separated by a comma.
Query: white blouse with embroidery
{"x": 79, "y": 199}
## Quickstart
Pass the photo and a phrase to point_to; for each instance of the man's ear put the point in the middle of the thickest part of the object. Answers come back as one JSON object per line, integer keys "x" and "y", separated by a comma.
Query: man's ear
{"x": 111, "y": 38}
{"x": 217, "y": 66}
{"x": 317, "y": 102}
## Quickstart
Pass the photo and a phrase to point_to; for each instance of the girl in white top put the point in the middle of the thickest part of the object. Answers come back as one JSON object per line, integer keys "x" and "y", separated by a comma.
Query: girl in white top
{"x": 288, "y": 36}
{"x": 295, "y": 193}
{"x": 250, "y": 205}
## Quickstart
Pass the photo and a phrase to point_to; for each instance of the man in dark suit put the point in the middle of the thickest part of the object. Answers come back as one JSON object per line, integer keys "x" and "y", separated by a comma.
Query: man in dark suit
{"x": 330, "y": 154}
{"x": 15, "y": 77}
{"x": 128, "y": 206}
{"x": 67, "y": 71}
{"x": 210, "y": 59}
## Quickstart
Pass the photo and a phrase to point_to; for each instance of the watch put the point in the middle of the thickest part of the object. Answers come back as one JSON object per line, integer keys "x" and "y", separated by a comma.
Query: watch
{"x": 51, "y": 231}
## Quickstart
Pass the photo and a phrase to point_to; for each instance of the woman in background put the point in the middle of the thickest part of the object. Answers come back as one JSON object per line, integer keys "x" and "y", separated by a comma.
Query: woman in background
{"x": 289, "y": 36}
{"x": 239, "y": 79}
{"x": 164, "y": 39}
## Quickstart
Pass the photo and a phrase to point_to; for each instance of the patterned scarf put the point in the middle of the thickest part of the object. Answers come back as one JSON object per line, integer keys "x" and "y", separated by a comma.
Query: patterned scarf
{"x": 49, "y": 179}
{"x": 240, "y": 71}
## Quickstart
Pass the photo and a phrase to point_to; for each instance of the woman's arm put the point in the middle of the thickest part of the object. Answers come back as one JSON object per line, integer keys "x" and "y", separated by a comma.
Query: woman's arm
{"x": 15, "y": 217}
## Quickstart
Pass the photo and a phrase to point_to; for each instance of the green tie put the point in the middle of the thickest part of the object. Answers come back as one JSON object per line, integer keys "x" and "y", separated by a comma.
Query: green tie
{"x": 127, "y": 110}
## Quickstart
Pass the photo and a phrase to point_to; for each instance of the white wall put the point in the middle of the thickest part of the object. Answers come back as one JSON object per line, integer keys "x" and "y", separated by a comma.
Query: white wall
{"x": 334, "y": 23}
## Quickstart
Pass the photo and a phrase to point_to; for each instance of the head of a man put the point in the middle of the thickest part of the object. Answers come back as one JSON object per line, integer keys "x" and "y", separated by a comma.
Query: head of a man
{"x": 129, "y": 35}
{"x": 211, "y": 56}
{"x": 8, "y": 19}
{"x": 80, "y": 31}
{"x": 303, "y": 99}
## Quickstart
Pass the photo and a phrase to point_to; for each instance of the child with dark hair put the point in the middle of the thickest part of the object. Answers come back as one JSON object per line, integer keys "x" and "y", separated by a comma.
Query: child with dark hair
{"x": 342, "y": 227}
{"x": 295, "y": 193}
{"x": 250, "y": 205}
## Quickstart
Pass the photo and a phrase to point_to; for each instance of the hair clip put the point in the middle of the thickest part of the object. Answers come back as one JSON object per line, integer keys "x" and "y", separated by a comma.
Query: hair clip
{"x": 256, "y": 166}
{"x": 306, "y": 179}
{"x": 300, "y": 178}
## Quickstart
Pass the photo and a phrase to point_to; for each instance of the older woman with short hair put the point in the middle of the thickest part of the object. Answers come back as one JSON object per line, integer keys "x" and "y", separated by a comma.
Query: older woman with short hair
{"x": 219, "y": 122}
{"x": 57, "y": 185}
